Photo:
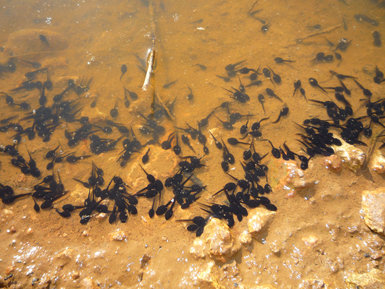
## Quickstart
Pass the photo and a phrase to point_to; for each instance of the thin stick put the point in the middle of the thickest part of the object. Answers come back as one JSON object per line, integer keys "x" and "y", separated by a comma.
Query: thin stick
{"x": 151, "y": 54}
{"x": 371, "y": 149}
{"x": 150, "y": 68}
{"x": 327, "y": 30}
{"x": 151, "y": 63}
{"x": 164, "y": 106}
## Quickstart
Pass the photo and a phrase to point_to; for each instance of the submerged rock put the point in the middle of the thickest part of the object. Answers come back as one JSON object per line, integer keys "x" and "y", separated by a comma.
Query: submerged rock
{"x": 310, "y": 241}
{"x": 374, "y": 279}
{"x": 258, "y": 219}
{"x": 216, "y": 241}
{"x": 89, "y": 283}
{"x": 245, "y": 237}
{"x": 373, "y": 209}
{"x": 296, "y": 180}
{"x": 118, "y": 235}
{"x": 377, "y": 163}
{"x": 64, "y": 257}
{"x": 352, "y": 157}
{"x": 205, "y": 275}
{"x": 313, "y": 284}
{"x": 333, "y": 163}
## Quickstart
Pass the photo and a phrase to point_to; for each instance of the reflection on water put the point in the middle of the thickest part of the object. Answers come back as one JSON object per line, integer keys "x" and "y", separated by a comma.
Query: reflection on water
{"x": 189, "y": 90}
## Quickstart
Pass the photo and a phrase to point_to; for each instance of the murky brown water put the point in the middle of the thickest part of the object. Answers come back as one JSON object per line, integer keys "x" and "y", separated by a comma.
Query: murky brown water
{"x": 317, "y": 238}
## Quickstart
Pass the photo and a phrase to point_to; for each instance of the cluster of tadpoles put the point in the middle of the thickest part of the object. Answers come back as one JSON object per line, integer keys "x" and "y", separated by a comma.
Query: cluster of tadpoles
{"x": 55, "y": 156}
{"x": 131, "y": 145}
{"x": 240, "y": 194}
{"x": 318, "y": 137}
{"x": 45, "y": 119}
{"x": 48, "y": 190}
{"x": 27, "y": 168}
{"x": 125, "y": 203}
{"x": 118, "y": 201}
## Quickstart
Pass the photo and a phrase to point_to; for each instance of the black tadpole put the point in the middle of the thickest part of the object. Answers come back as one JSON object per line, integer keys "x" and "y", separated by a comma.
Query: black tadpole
{"x": 265, "y": 28}
{"x": 261, "y": 99}
{"x": 277, "y": 79}
{"x": 233, "y": 141}
{"x": 133, "y": 95}
{"x": 280, "y": 60}
{"x": 284, "y": 111}
{"x": 114, "y": 112}
{"x": 190, "y": 96}
{"x": 243, "y": 129}
{"x": 297, "y": 86}
{"x": 146, "y": 157}
{"x": 186, "y": 141}
{"x": 274, "y": 151}
{"x": 123, "y": 70}
{"x": 218, "y": 144}
{"x": 313, "y": 82}
{"x": 227, "y": 156}
{"x": 44, "y": 39}
{"x": 271, "y": 93}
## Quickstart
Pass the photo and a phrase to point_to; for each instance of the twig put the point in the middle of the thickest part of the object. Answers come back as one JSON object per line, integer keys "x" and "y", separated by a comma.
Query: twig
{"x": 151, "y": 54}
{"x": 330, "y": 29}
{"x": 371, "y": 149}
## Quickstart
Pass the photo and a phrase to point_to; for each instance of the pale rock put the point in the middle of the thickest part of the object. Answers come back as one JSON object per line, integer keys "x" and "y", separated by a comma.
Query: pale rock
{"x": 205, "y": 275}
{"x": 375, "y": 279}
{"x": 88, "y": 283}
{"x": 99, "y": 254}
{"x": 296, "y": 177}
{"x": 274, "y": 247}
{"x": 377, "y": 162}
{"x": 21, "y": 179}
{"x": 118, "y": 235}
{"x": 230, "y": 272}
{"x": 7, "y": 212}
{"x": 258, "y": 219}
{"x": 333, "y": 163}
{"x": 310, "y": 241}
{"x": 373, "y": 209}
{"x": 75, "y": 275}
{"x": 245, "y": 237}
{"x": 11, "y": 230}
{"x": 101, "y": 216}
{"x": 216, "y": 241}
{"x": 164, "y": 239}
{"x": 313, "y": 284}
{"x": 198, "y": 248}
{"x": 352, "y": 157}
{"x": 45, "y": 281}
{"x": 63, "y": 257}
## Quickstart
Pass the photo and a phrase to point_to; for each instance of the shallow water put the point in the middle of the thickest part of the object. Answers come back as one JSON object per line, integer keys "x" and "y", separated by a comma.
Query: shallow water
{"x": 192, "y": 42}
